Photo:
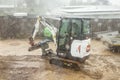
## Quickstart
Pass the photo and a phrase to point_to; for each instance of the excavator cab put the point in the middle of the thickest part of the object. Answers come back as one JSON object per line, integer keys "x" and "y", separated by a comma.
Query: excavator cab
{"x": 74, "y": 35}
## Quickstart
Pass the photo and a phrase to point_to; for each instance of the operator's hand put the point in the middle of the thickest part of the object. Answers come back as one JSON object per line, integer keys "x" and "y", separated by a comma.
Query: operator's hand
{"x": 31, "y": 41}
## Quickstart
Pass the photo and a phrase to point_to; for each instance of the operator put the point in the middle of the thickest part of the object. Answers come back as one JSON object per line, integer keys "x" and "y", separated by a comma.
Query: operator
{"x": 75, "y": 30}
{"x": 47, "y": 34}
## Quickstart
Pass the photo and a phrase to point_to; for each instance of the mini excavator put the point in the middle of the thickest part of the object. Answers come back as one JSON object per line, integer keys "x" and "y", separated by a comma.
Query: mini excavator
{"x": 72, "y": 38}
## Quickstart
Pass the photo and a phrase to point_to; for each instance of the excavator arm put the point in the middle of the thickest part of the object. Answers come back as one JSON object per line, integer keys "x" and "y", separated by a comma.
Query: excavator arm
{"x": 51, "y": 28}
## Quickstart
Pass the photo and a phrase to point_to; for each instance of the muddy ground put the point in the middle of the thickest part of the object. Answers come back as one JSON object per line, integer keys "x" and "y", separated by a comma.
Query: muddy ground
{"x": 16, "y": 63}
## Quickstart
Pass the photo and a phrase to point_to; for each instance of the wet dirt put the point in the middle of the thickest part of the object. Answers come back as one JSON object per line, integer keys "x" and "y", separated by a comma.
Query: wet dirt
{"x": 16, "y": 63}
